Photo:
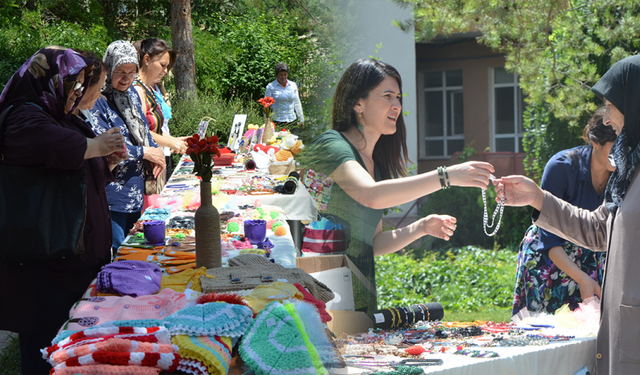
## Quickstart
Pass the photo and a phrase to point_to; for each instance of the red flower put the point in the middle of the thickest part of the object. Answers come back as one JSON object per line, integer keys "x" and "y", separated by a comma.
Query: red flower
{"x": 201, "y": 152}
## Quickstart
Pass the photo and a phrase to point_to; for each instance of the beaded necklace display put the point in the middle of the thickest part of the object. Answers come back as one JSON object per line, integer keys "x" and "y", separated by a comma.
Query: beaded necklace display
{"x": 485, "y": 217}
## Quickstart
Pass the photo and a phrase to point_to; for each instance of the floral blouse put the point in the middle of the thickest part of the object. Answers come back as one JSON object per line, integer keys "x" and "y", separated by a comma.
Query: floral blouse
{"x": 125, "y": 194}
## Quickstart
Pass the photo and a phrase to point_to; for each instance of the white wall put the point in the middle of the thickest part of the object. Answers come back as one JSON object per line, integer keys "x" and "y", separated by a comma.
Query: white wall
{"x": 374, "y": 21}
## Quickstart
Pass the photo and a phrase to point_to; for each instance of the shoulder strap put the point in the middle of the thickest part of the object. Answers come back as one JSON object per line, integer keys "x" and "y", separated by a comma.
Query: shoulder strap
{"x": 3, "y": 119}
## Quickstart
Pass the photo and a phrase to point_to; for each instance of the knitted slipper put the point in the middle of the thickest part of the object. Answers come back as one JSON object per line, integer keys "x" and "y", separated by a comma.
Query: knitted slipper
{"x": 210, "y": 319}
{"x": 276, "y": 343}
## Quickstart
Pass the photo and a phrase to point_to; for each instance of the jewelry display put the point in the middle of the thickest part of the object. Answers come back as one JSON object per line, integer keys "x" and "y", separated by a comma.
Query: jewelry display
{"x": 485, "y": 217}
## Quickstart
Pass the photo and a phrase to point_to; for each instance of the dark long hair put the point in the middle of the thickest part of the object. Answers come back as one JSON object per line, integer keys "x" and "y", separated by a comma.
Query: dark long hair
{"x": 596, "y": 131}
{"x": 154, "y": 47}
{"x": 99, "y": 66}
{"x": 390, "y": 152}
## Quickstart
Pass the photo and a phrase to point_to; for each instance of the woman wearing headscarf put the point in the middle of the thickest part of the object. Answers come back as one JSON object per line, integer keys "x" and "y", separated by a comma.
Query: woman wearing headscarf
{"x": 120, "y": 107}
{"x": 613, "y": 227}
{"x": 44, "y": 133}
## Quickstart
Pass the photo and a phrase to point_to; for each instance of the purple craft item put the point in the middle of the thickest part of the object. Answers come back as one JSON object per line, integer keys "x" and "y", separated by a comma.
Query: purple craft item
{"x": 255, "y": 230}
{"x": 154, "y": 232}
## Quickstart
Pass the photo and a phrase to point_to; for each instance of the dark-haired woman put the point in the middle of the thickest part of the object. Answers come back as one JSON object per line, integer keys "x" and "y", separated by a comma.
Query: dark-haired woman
{"x": 44, "y": 133}
{"x": 365, "y": 155}
{"x": 613, "y": 227}
{"x": 156, "y": 59}
{"x": 552, "y": 271}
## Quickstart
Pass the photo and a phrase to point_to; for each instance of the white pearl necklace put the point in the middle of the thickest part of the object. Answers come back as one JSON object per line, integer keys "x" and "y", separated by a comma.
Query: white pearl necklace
{"x": 485, "y": 217}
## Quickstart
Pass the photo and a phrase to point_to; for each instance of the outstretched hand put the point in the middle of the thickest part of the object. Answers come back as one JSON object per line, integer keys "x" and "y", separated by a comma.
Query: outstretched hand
{"x": 440, "y": 226}
{"x": 519, "y": 191}
{"x": 471, "y": 174}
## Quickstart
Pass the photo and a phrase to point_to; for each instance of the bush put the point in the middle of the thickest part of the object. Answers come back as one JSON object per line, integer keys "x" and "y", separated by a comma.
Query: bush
{"x": 187, "y": 113}
{"x": 466, "y": 205}
{"x": 462, "y": 280}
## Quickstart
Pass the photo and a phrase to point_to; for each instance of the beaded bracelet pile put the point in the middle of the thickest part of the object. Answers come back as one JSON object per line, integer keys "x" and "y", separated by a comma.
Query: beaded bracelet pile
{"x": 443, "y": 175}
{"x": 408, "y": 315}
{"x": 477, "y": 353}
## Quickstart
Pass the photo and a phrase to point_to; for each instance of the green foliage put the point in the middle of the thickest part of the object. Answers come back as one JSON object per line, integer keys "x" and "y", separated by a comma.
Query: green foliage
{"x": 10, "y": 358}
{"x": 462, "y": 280}
{"x": 187, "y": 113}
{"x": 559, "y": 49}
{"x": 465, "y": 204}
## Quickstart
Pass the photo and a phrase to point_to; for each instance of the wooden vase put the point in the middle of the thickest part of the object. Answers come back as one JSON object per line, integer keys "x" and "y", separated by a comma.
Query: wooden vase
{"x": 267, "y": 134}
{"x": 207, "y": 220}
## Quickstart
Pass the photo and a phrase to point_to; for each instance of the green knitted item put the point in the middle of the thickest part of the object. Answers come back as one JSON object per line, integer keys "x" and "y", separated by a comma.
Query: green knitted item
{"x": 273, "y": 344}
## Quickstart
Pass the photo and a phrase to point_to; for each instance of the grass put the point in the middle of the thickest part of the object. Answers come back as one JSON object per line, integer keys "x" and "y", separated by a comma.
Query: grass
{"x": 494, "y": 314}
{"x": 10, "y": 358}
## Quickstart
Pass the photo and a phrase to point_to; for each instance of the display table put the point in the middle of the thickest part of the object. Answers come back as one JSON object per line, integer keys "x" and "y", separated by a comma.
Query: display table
{"x": 557, "y": 358}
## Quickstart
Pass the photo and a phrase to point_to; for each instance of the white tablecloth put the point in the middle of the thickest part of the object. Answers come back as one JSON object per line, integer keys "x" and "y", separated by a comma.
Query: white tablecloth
{"x": 561, "y": 358}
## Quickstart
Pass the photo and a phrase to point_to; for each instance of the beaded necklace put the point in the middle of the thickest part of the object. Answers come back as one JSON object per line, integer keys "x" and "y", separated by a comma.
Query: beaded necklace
{"x": 485, "y": 217}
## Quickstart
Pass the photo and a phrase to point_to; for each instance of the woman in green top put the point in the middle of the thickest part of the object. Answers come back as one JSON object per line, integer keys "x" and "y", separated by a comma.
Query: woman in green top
{"x": 364, "y": 155}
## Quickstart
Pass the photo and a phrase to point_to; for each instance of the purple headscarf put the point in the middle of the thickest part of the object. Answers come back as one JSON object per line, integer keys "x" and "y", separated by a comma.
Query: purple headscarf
{"x": 46, "y": 79}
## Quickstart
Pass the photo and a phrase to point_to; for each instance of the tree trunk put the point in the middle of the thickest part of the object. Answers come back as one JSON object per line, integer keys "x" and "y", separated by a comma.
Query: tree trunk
{"x": 181, "y": 35}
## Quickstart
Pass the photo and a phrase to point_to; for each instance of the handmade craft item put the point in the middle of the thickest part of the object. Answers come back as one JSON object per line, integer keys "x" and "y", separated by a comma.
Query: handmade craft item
{"x": 207, "y": 217}
{"x": 485, "y": 216}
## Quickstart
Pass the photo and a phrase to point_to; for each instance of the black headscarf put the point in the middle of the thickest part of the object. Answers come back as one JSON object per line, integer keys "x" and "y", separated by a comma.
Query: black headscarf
{"x": 46, "y": 79}
{"x": 620, "y": 85}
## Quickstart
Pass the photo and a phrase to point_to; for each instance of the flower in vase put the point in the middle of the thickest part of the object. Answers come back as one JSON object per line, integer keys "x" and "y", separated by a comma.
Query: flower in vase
{"x": 201, "y": 152}
{"x": 266, "y": 102}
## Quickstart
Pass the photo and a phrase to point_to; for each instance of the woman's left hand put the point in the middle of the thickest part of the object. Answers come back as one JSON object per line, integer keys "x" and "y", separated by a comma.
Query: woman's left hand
{"x": 471, "y": 174}
{"x": 439, "y": 226}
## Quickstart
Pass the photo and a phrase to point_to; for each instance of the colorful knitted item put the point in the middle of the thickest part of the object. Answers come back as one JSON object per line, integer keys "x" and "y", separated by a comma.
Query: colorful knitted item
{"x": 210, "y": 319}
{"x": 158, "y": 335}
{"x": 108, "y": 370}
{"x": 110, "y": 345}
{"x": 276, "y": 343}
{"x": 194, "y": 367}
{"x": 130, "y": 277}
{"x": 163, "y": 361}
{"x": 98, "y": 310}
{"x": 320, "y": 305}
{"x": 212, "y": 351}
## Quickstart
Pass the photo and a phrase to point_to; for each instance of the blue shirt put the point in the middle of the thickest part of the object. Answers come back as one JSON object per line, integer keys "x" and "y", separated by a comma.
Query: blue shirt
{"x": 126, "y": 193}
{"x": 567, "y": 175}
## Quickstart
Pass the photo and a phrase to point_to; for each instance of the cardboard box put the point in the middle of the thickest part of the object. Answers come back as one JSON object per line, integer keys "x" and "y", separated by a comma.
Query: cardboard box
{"x": 349, "y": 322}
{"x": 337, "y": 272}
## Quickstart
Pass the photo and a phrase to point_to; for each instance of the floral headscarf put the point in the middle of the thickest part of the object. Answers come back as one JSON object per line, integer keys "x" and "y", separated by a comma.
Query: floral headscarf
{"x": 119, "y": 53}
{"x": 46, "y": 79}
{"x": 620, "y": 85}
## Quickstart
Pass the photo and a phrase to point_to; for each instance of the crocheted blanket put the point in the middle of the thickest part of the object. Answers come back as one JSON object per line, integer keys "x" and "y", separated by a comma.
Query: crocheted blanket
{"x": 110, "y": 345}
{"x": 210, "y": 319}
{"x": 108, "y": 370}
{"x": 158, "y": 335}
{"x": 277, "y": 343}
{"x": 163, "y": 361}
{"x": 212, "y": 352}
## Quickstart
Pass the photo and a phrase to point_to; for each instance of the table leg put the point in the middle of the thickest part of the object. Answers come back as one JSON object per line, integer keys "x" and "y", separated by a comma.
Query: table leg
{"x": 296, "y": 233}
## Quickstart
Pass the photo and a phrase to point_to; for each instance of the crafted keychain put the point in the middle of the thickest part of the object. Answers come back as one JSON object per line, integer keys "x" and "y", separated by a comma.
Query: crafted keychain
{"x": 485, "y": 217}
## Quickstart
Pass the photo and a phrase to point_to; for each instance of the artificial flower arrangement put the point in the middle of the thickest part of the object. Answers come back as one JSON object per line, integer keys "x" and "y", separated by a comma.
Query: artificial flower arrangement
{"x": 266, "y": 102}
{"x": 201, "y": 152}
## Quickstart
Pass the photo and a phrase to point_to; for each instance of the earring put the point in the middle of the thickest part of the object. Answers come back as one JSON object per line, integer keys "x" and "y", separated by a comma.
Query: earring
{"x": 360, "y": 114}
{"x": 147, "y": 64}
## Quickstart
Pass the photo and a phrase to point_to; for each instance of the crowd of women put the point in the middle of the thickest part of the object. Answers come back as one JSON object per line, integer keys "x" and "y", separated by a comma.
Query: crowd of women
{"x": 72, "y": 110}
{"x": 109, "y": 117}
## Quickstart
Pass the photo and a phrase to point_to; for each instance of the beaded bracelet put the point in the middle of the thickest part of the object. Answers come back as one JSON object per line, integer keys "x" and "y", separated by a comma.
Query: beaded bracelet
{"x": 393, "y": 318}
{"x": 443, "y": 184}
{"x": 446, "y": 176}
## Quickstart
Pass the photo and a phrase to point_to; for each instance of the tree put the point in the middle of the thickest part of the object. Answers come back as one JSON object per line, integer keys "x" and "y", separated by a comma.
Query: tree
{"x": 559, "y": 48}
{"x": 182, "y": 37}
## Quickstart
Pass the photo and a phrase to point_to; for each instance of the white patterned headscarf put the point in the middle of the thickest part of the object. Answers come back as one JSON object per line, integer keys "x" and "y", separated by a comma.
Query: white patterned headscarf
{"x": 119, "y": 53}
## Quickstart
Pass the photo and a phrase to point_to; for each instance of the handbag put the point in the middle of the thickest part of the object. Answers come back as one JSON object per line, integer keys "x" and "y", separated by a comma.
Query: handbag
{"x": 152, "y": 185}
{"x": 327, "y": 241}
{"x": 43, "y": 211}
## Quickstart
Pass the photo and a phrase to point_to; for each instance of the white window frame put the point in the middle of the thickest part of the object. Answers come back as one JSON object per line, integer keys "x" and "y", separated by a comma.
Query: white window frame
{"x": 422, "y": 118}
{"x": 518, "y": 111}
